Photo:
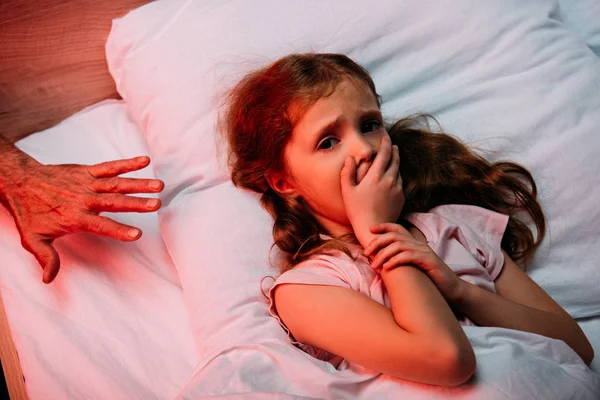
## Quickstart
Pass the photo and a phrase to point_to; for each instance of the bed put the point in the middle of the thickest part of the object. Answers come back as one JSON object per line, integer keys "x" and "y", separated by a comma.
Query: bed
{"x": 179, "y": 314}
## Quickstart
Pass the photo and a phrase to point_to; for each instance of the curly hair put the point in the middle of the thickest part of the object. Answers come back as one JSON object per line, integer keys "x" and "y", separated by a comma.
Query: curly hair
{"x": 261, "y": 110}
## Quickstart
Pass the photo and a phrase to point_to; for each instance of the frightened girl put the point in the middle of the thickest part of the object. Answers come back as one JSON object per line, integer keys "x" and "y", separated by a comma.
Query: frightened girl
{"x": 393, "y": 236}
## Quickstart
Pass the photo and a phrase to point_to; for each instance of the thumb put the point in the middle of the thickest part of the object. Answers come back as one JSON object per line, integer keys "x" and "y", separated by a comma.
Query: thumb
{"x": 46, "y": 255}
{"x": 348, "y": 174}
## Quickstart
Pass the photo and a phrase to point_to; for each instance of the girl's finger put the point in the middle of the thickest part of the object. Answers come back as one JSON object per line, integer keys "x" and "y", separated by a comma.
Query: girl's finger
{"x": 380, "y": 241}
{"x": 388, "y": 252}
{"x": 118, "y": 167}
{"x": 389, "y": 227}
{"x": 400, "y": 259}
{"x": 383, "y": 156}
{"x": 121, "y": 203}
{"x": 348, "y": 174}
{"x": 127, "y": 185}
{"x": 399, "y": 172}
{"x": 392, "y": 170}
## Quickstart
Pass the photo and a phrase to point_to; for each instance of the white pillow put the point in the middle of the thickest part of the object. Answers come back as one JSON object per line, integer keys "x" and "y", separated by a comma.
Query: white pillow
{"x": 485, "y": 69}
{"x": 583, "y": 16}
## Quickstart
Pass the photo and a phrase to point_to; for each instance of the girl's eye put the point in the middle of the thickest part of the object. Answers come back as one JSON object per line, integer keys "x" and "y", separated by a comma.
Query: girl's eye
{"x": 325, "y": 141}
{"x": 368, "y": 126}
{"x": 371, "y": 125}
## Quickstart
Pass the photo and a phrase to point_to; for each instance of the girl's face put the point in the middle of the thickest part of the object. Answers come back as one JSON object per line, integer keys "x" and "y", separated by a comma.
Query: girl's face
{"x": 346, "y": 123}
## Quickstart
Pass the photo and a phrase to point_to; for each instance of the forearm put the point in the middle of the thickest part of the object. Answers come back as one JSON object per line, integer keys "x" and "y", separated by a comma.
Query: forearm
{"x": 489, "y": 309}
{"x": 429, "y": 313}
{"x": 419, "y": 307}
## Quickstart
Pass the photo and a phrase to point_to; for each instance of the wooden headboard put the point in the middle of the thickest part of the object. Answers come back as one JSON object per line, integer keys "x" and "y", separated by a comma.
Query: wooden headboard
{"x": 52, "y": 61}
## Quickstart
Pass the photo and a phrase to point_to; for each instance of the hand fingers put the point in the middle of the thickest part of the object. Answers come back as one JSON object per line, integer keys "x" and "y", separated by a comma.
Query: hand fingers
{"x": 392, "y": 170}
{"x": 399, "y": 171}
{"x": 45, "y": 254}
{"x": 383, "y": 156}
{"x": 106, "y": 202}
{"x": 379, "y": 242}
{"x": 388, "y": 252}
{"x": 389, "y": 227}
{"x": 127, "y": 185}
{"x": 118, "y": 167}
{"x": 106, "y": 227}
{"x": 400, "y": 259}
{"x": 348, "y": 174}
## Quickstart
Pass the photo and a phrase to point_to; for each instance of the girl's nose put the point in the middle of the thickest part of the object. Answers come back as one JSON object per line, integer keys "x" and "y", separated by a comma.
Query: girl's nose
{"x": 366, "y": 151}
{"x": 361, "y": 149}
{"x": 366, "y": 155}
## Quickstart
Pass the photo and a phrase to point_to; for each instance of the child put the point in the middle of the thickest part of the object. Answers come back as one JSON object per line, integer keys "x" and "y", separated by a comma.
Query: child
{"x": 436, "y": 223}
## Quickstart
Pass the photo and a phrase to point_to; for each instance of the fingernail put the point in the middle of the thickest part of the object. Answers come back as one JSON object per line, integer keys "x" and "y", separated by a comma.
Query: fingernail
{"x": 154, "y": 185}
{"x": 152, "y": 203}
{"x": 133, "y": 233}
{"x": 142, "y": 159}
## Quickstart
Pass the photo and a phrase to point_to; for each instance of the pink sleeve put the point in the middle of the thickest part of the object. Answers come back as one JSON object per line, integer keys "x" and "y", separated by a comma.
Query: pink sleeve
{"x": 315, "y": 271}
{"x": 483, "y": 230}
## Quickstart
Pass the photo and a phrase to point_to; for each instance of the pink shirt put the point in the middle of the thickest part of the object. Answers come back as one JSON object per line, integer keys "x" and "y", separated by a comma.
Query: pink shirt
{"x": 467, "y": 238}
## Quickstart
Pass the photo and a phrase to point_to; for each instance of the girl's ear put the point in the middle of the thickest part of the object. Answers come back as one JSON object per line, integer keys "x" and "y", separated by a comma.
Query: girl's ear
{"x": 280, "y": 184}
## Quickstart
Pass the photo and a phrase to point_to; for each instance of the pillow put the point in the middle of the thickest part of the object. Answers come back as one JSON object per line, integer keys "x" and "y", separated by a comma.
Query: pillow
{"x": 507, "y": 76}
{"x": 583, "y": 16}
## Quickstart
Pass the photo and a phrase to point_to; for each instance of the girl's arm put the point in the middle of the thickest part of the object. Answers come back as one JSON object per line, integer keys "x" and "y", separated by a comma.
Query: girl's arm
{"x": 522, "y": 305}
{"x": 420, "y": 340}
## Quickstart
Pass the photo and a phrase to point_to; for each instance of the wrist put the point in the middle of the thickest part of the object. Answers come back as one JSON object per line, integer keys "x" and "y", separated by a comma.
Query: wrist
{"x": 364, "y": 235}
{"x": 462, "y": 293}
{"x": 13, "y": 166}
{"x": 362, "y": 231}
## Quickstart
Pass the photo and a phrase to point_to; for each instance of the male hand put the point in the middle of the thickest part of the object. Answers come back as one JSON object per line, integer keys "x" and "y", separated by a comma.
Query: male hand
{"x": 49, "y": 201}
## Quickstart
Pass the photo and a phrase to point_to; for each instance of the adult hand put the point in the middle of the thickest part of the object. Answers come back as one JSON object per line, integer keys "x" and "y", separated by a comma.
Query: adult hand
{"x": 378, "y": 197}
{"x": 49, "y": 201}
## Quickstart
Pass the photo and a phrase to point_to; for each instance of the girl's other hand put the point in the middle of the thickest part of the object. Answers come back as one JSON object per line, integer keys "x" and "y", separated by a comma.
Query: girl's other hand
{"x": 394, "y": 247}
{"x": 378, "y": 197}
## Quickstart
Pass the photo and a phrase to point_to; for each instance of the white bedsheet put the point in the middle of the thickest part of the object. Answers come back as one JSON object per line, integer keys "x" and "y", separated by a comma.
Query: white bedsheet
{"x": 591, "y": 328}
{"x": 511, "y": 365}
{"x": 113, "y": 325}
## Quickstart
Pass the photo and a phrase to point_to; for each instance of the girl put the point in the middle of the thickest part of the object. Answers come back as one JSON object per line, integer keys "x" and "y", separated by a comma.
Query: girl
{"x": 393, "y": 238}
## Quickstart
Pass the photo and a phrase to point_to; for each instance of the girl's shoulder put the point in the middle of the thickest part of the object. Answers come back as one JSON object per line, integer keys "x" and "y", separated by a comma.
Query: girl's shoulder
{"x": 334, "y": 268}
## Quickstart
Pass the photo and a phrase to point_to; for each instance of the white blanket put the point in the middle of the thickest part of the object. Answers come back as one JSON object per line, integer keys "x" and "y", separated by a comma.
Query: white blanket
{"x": 510, "y": 365}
